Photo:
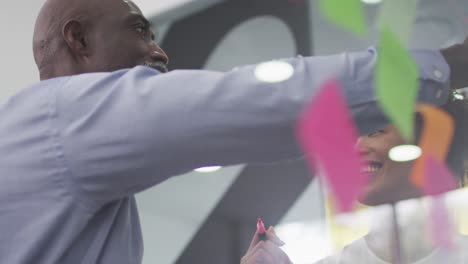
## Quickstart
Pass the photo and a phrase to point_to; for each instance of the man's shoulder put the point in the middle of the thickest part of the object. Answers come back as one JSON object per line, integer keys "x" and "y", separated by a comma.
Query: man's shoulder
{"x": 134, "y": 73}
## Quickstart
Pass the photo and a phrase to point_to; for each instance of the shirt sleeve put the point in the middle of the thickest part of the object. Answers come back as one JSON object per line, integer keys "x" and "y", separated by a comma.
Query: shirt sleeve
{"x": 125, "y": 131}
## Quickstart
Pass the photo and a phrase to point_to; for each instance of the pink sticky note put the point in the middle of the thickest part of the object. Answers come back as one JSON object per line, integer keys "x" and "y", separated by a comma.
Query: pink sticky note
{"x": 327, "y": 135}
{"x": 439, "y": 179}
{"x": 441, "y": 226}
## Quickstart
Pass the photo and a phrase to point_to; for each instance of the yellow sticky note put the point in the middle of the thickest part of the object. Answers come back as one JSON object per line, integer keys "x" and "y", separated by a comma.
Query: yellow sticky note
{"x": 343, "y": 233}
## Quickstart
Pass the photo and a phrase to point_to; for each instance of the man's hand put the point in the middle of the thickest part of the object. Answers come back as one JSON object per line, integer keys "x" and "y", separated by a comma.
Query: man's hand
{"x": 457, "y": 58}
{"x": 266, "y": 252}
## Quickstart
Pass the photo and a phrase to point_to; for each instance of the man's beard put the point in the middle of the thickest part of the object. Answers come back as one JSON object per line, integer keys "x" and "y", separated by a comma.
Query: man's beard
{"x": 157, "y": 65}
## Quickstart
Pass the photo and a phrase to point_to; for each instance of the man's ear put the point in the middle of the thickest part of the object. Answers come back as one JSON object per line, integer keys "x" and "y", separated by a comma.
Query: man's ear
{"x": 75, "y": 35}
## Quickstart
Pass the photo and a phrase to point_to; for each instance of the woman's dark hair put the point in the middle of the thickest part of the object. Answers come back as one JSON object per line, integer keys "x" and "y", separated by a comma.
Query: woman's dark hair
{"x": 457, "y": 107}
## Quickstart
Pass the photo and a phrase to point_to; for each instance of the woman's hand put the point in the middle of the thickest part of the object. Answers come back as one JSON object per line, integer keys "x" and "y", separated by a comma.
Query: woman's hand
{"x": 266, "y": 252}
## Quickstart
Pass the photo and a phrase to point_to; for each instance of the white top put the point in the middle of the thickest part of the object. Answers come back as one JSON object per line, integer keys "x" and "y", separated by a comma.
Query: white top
{"x": 412, "y": 221}
{"x": 359, "y": 252}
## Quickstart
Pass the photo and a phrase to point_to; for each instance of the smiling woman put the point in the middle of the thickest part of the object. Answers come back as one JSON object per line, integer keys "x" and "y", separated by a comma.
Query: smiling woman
{"x": 389, "y": 178}
{"x": 407, "y": 239}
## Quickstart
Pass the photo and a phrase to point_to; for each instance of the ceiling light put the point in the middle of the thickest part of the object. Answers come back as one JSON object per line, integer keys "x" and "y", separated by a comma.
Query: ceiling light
{"x": 405, "y": 153}
{"x": 208, "y": 169}
{"x": 459, "y": 96}
{"x": 371, "y": 2}
{"x": 274, "y": 71}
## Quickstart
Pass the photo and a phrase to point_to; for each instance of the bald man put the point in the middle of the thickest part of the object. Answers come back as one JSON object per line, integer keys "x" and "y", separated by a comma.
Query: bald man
{"x": 107, "y": 121}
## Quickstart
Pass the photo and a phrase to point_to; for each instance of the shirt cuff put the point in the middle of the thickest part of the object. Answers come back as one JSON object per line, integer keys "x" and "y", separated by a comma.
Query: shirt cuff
{"x": 434, "y": 76}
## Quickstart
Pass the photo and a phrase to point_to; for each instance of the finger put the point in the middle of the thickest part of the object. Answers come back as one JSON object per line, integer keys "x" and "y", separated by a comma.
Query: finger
{"x": 258, "y": 247}
{"x": 252, "y": 251}
{"x": 247, "y": 257}
{"x": 259, "y": 256}
{"x": 271, "y": 236}
{"x": 275, "y": 252}
{"x": 262, "y": 257}
{"x": 254, "y": 242}
{"x": 288, "y": 260}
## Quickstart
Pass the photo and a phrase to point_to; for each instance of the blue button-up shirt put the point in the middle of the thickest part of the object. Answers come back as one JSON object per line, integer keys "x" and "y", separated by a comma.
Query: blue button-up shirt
{"x": 75, "y": 150}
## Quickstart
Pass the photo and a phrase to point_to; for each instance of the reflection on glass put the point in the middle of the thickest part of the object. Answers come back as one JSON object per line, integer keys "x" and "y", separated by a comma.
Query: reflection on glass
{"x": 208, "y": 169}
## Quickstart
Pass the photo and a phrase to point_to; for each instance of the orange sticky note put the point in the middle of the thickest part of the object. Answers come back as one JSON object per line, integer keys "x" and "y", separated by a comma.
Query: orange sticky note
{"x": 327, "y": 135}
{"x": 437, "y": 133}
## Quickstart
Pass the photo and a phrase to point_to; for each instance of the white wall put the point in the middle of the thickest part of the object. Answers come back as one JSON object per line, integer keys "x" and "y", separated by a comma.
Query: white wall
{"x": 17, "y": 65}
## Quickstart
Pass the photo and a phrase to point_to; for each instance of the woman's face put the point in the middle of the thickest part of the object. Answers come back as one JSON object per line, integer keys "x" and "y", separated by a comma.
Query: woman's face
{"x": 389, "y": 181}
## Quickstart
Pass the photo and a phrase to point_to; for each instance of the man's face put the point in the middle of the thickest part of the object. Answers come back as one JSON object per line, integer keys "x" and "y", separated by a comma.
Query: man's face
{"x": 389, "y": 181}
{"x": 122, "y": 38}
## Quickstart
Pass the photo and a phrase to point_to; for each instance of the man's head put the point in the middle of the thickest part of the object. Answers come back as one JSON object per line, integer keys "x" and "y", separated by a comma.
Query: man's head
{"x": 389, "y": 180}
{"x": 82, "y": 36}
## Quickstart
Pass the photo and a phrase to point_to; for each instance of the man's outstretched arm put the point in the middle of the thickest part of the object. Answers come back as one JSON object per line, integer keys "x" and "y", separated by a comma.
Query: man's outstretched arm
{"x": 125, "y": 131}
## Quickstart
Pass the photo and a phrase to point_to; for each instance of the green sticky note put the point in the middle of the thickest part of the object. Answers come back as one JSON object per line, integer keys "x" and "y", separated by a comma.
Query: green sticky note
{"x": 399, "y": 15}
{"x": 348, "y": 14}
{"x": 397, "y": 82}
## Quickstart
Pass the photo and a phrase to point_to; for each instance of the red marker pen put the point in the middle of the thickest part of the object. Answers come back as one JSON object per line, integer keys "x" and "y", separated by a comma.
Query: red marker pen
{"x": 261, "y": 230}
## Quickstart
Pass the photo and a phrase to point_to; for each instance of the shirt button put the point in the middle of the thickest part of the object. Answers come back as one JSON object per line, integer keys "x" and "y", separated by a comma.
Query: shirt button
{"x": 438, "y": 74}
